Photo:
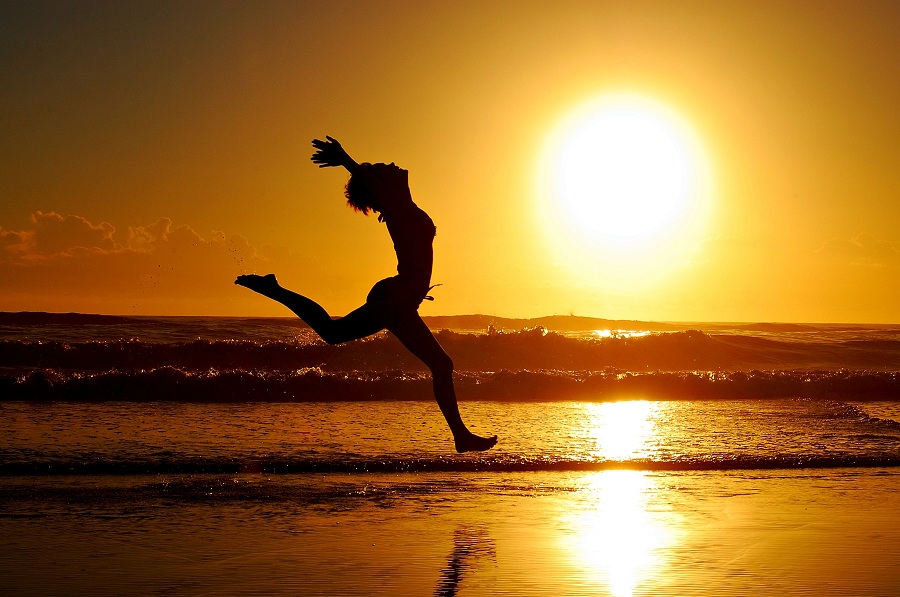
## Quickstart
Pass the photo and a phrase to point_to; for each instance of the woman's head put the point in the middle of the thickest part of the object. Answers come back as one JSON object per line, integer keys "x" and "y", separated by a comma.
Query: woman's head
{"x": 377, "y": 187}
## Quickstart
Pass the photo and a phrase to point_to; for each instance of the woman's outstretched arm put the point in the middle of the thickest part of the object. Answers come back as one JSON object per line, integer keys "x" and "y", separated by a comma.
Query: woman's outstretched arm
{"x": 330, "y": 153}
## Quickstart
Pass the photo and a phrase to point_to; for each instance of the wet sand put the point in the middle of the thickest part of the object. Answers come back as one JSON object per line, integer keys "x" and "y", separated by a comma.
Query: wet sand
{"x": 621, "y": 533}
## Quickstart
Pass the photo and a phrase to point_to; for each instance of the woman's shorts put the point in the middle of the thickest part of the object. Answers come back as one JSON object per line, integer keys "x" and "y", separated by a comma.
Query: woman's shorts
{"x": 391, "y": 298}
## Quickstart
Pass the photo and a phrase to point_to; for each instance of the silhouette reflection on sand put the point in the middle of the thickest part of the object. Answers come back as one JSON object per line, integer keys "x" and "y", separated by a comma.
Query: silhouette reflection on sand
{"x": 470, "y": 544}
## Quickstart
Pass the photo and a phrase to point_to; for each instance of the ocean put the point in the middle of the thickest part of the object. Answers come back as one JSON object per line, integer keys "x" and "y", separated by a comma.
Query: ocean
{"x": 202, "y": 455}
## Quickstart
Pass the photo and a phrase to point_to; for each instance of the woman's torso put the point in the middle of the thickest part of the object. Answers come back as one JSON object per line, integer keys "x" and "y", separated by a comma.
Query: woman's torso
{"x": 413, "y": 234}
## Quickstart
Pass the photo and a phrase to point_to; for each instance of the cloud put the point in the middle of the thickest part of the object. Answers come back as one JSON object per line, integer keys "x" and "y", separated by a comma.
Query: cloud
{"x": 56, "y": 237}
{"x": 74, "y": 259}
{"x": 863, "y": 249}
{"x": 51, "y": 235}
{"x": 54, "y": 234}
{"x": 12, "y": 244}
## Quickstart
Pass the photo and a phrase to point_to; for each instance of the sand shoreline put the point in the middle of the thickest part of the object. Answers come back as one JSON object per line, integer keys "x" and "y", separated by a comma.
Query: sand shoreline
{"x": 609, "y": 533}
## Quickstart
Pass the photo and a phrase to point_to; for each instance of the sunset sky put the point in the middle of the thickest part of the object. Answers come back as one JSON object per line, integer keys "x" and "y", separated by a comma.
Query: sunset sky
{"x": 152, "y": 151}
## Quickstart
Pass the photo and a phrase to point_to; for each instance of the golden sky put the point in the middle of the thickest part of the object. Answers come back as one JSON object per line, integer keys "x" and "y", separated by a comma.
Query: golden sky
{"x": 152, "y": 151}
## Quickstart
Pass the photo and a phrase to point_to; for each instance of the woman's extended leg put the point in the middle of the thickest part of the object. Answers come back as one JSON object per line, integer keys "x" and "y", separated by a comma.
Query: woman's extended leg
{"x": 358, "y": 324}
{"x": 415, "y": 335}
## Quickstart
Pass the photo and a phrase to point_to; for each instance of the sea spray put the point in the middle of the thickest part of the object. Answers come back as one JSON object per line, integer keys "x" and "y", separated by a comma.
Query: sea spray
{"x": 316, "y": 385}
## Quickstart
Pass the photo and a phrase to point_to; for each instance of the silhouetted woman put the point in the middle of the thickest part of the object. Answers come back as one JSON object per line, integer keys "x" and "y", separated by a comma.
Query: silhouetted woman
{"x": 393, "y": 303}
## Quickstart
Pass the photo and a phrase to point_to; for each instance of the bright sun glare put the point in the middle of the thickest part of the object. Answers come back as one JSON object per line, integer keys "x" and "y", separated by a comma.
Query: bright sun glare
{"x": 623, "y": 173}
{"x": 618, "y": 533}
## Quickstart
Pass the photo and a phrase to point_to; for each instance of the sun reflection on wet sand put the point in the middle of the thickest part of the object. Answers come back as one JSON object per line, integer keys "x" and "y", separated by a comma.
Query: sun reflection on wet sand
{"x": 617, "y": 535}
{"x": 620, "y": 538}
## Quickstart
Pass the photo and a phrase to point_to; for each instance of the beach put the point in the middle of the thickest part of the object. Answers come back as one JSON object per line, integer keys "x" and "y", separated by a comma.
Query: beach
{"x": 164, "y": 456}
{"x": 807, "y": 532}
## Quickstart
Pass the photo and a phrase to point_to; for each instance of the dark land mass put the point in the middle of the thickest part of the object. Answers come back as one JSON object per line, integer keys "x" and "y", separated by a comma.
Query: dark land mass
{"x": 557, "y": 323}
{"x": 44, "y": 318}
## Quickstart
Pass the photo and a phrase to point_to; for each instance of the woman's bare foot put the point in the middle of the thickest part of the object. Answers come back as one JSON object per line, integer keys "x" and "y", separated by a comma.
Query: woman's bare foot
{"x": 264, "y": 285}
{"x": 474, "y": 443}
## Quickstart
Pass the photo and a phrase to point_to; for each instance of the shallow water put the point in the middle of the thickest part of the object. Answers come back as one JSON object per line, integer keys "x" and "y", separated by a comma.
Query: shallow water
{"x": 228, "y": 513}
{"x": 130, "y": 438}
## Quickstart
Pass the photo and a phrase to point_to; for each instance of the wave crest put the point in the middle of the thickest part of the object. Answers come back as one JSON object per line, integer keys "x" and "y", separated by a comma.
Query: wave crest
{"x": 528, "y": 349}
{"x": 315, "y": 384}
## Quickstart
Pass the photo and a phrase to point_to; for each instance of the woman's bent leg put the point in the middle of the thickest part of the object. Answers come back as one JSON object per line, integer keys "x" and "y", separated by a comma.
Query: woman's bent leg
{"x": 415, "y": 336}
{"x": 358, "y": 324}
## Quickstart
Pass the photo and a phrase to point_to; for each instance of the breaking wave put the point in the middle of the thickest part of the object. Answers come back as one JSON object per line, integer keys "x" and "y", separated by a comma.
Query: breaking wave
{"x": 180, "y": 465}
{"x": 530, "y": 349}
{"x": 315, "y": 384}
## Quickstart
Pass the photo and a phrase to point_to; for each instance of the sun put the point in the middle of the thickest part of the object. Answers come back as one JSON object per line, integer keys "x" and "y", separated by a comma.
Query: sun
{"x": 623, "y": 173}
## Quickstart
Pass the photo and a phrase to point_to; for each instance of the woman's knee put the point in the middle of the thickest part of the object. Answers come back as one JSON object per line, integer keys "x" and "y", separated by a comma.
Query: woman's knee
{"x": 328, "y": 332}
{"x": 331, "y": 338}
{"x": 441, "y": 364}
{"x": 358, "y": 324}
{"x": 337, "y": 334}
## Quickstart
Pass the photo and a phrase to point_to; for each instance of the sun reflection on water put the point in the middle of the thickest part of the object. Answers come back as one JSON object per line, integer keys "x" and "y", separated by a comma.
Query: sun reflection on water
{"x": 618, "y": 535}
{"x": 621, "y": 429}
{"x": 620, "y": 333}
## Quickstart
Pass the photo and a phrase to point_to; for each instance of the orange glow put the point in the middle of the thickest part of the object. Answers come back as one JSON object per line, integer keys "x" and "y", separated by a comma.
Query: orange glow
{"x": 174, "y": 146}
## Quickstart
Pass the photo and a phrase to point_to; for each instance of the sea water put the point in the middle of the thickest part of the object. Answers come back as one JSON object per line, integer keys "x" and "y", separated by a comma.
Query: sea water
{"x": 229, "y": 456}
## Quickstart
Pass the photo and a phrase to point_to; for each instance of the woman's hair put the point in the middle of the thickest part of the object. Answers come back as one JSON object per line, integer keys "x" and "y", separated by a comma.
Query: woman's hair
{"x": 358, "y": 192}
{"x": 359, "y": 189}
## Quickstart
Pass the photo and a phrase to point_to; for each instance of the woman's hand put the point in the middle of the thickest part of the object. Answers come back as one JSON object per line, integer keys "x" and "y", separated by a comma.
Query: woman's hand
{"x": 330, "y": 153}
